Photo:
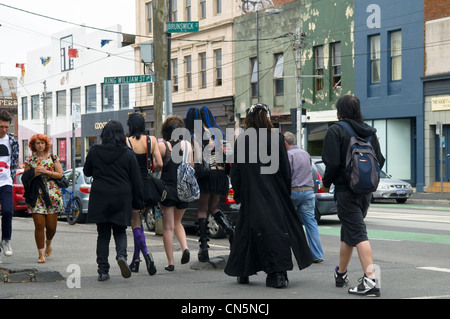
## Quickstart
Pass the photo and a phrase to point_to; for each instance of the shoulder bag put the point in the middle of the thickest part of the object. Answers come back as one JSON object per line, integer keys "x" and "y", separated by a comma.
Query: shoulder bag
{"x": 61, "y": 182}
{"x": 154, "y": 188}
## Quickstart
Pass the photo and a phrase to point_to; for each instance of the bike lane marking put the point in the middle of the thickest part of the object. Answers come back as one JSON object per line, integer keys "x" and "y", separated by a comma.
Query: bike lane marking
{"x": 393, "y": 235}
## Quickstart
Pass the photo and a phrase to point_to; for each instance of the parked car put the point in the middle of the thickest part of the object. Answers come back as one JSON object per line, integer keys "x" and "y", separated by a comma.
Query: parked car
{"x": 227, "y": 205}
{"x": 19, "y": 204}
{"x": 325, "y": 204}
{"x": 82, "y": 190}
{"x": 389, "y": 188}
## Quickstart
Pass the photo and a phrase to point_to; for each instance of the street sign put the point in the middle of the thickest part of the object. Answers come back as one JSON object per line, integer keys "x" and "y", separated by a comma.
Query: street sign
{"x": 127, "y": 79}
{"x": 178, "y": 27}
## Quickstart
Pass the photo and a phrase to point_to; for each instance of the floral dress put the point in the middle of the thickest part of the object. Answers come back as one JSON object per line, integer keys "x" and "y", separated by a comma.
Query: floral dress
{"x": 53, "y": 191}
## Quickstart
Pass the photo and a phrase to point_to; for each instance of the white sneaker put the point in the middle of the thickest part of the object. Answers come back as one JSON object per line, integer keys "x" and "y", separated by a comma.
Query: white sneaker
{"x": 7, "y": 251}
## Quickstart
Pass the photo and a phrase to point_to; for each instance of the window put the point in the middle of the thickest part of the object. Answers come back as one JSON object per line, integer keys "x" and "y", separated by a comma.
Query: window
{"x": 149, "y": 17}
{"x": 175, "y": 75}
{"x": 278, "y": 74}
{"x": 336, "y": 64}
{"x": 202, "y": 61}
{"x": 25, "y": 108}
{"x": 375, "y": 59}
{"x": 91, "y": 99}
{"x": 218, "y": 6}
{"x": 254, "y": 77}
{"x": 318, "y": 51}
{"x": 75, "y": 97}
{"x": 107, "y": 97}
{"x": 61, "y": 103}
{"x": 174, "y": 10}
{"x": 66, "y": 43}
{"x": 25, "y": 149}
{"x": 202, "y": 9}
{"x": 188, "y": 71}
{"x": 35, "y": 107}
{"x": 396, "y": 56}
{"x": 124, "y": 96}
{"x": 188, "y": 10}
{"x": 218, "y": 64}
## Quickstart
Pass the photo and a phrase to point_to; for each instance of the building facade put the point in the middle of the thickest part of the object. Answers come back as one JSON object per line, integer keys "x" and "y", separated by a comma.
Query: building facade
{"x": 388, "y": 38}
{"x": 71, "y": 71}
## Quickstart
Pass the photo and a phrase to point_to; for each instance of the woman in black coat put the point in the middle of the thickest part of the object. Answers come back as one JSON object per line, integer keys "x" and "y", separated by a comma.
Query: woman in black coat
{"x": 268, "y": 227}
{"x": 116, "y": 190}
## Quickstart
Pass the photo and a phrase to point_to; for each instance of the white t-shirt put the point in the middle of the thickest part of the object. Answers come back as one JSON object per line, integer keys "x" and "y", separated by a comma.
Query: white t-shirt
{"x": 5, "y": 161}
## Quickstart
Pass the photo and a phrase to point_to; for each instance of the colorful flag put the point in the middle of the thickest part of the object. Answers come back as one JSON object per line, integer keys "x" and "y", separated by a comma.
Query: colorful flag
{"x": 105, "y": 42}
{"x": 73, "y": 53}
{"x": 22, "y": 67}
{"x": 45, "y": 60}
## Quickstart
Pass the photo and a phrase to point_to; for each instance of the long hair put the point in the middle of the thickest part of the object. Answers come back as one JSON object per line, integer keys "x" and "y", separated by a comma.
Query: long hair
{"x": 39, "y": 137}
{"x": 348, "y": 107}
{"x": 171, "y": 123}
{"x": 113, "y": 134}
{"x": 209, "y": 121}
{"x": 136, "y": 125}
{"x": 258, "y": 116}
{"x": 193, "y": 118}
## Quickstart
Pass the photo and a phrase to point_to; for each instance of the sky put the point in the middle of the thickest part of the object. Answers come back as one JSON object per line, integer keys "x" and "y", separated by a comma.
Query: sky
{"x": 21, "y": 32}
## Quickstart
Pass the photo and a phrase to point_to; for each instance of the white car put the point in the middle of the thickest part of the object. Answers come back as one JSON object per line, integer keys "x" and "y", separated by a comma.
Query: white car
{"x": 389, "y": 188}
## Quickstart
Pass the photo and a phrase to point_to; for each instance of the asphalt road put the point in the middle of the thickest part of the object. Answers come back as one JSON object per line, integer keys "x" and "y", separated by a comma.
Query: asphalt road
{"x": 410, "y": 246}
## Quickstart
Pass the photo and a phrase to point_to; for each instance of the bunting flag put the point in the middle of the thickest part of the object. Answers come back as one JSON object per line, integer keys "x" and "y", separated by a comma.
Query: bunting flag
{"x": 22, "y": 67}
{"x": 104, "y": 42}
{"x": 45, "y": 60}
{"x": 73, "y": 53}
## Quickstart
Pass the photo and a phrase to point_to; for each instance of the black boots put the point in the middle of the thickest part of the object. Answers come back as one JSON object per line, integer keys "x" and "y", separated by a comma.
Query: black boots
{"x": 203, "y": 255}
{"x": 220, "y": 218}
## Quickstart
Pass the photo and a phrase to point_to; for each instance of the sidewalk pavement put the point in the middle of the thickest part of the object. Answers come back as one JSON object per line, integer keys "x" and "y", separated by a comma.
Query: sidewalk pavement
{"x": 429, "y": 198}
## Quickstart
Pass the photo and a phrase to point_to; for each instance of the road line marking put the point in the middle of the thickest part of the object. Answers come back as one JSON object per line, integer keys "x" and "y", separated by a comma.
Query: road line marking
{"x": 431, "y": 297}
{"x": 435, "y": 269}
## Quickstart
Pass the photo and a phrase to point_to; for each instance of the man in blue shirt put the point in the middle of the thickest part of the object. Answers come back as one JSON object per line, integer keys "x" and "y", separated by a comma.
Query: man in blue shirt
{"x": 302, "y": 193}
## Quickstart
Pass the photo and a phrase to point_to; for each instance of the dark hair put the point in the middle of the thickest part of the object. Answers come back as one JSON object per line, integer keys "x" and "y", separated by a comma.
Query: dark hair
{"x": 348, "y": 107}
{"x": 171, "y": 123}
{"x": 136, "y": 125}
{"x": 113, "y": 134}
{"x": 258, "y": 116}
{"x": 5, "y": 116}
{"x": 192, "y": 115}
{"x": 209, "y": 121}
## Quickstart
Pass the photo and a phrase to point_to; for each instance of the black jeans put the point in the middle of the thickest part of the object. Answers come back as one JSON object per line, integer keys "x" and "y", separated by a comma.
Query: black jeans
{"x": 103, "y": 239}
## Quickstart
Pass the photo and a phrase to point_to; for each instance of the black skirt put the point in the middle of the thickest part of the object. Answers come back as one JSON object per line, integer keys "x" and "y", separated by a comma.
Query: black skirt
{"x": 215, "y": 183}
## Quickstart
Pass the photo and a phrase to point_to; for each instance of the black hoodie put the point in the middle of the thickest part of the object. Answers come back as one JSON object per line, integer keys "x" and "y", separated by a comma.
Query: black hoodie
{"x": 117, "y": 184}
{"x": 334, "y": 151}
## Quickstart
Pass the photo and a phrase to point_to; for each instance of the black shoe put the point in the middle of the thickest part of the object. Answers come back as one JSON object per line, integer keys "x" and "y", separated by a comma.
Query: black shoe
{"x": 124, "y": 269}
{"x": 277, "y": 280}
{"x": 151, "y": 268}
{"x": 103, "y": 277}
{"x": 341, "y": 279}
{"x": 367, "y": 287}
{"x": 243, "y": 280}
{"x": 134, "y": 266}
{"x": 186, "y": 256}
{"x": 170, "y": 268}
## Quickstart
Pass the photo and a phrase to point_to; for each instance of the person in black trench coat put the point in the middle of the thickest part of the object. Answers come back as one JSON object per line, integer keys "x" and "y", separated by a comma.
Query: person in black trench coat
{"x": 116, "y": 190}
{"x": 268, "y": 227}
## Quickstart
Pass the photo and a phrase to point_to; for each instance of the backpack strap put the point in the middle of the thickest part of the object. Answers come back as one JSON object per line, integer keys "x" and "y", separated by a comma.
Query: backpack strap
{"x": 352, "y": 132}
{"x": 150, "y": 167}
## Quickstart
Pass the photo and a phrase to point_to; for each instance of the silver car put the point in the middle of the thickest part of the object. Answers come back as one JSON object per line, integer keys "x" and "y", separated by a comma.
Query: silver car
{"x": 389, "y": 188}
{"x": 82, "y": 190}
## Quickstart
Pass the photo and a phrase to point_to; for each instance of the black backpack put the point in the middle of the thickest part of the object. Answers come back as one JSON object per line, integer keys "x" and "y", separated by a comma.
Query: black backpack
{"x": 362, "y": 167}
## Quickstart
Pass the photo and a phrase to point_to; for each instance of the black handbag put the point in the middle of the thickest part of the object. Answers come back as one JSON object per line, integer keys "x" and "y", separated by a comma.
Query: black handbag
{"x": 63, "y": 182}
{"x": 154, "y": 188}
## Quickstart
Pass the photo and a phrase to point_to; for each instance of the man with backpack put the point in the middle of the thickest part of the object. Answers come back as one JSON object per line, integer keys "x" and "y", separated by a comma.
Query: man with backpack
{"x": 352, "y": 203}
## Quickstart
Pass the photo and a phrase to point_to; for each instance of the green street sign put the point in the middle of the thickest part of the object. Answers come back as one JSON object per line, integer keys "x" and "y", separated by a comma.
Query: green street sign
{"x": 178, "y": 27}
{"x": 127, "y": 79}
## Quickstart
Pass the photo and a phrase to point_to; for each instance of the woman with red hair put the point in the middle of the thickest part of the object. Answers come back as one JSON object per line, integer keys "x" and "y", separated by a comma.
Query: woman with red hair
{"x": 42, "y": 195}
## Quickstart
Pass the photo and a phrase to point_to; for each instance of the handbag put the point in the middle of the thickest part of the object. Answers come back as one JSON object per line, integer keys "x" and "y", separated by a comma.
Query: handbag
{"x": 154, "y": 188}
{"x": 62, "y": 182}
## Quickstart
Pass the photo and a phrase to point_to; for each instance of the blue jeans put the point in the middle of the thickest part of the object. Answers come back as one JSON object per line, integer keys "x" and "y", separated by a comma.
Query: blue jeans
{"x": 7, "y": 211}
{"x": 305, "y": 203}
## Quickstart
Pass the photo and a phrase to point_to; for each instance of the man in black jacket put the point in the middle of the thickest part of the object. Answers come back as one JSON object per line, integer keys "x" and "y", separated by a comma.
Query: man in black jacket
{"x": 351, "y": 207}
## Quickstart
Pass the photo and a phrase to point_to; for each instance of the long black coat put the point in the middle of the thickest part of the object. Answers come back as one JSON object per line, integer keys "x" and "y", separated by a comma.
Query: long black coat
{"x": 268, "y": 226}
{"x": 117, "y": 184}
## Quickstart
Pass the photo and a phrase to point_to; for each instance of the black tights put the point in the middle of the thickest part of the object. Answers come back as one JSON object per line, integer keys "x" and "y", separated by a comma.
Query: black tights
{"x": 208, "y": 203}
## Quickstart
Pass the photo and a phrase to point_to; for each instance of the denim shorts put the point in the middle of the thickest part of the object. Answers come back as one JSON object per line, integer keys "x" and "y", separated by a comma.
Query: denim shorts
{"x": 351, "y": 209}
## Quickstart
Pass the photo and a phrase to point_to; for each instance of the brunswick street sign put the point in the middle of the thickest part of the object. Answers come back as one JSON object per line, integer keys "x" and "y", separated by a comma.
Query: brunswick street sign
{"x": 178, "y": 27}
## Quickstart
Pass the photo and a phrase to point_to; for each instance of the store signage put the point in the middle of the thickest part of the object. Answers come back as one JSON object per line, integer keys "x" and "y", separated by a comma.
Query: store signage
{"x": 440, "y": 103}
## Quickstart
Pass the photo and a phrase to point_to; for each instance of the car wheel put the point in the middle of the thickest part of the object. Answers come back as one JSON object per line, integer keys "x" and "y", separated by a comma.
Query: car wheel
{"x": 149, "y": 218}
{"x": 401, "y": 200}
{"x": 214, "y": 229}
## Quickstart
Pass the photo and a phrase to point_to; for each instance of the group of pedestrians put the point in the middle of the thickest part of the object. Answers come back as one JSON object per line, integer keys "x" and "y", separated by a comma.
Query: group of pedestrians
{"x": 274, "y": 206}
